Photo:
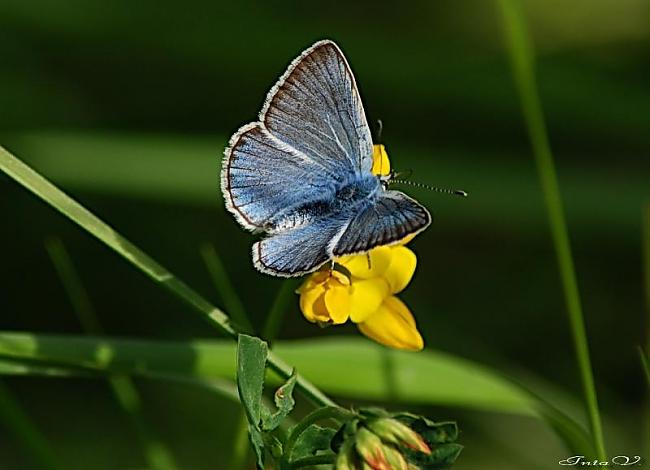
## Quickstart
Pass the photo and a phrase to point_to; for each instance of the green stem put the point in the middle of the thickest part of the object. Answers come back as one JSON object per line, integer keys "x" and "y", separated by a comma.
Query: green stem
{"x": 240, "y": 444}
{"x": 315, "y": 460}
{"x": 124, "y": 390}
{"x": 645, "y": 352}
{"x": 327, "y": 412}
{"x": 224, "y": 286}
{"x": 38, "y": 185}
{"x": 278, "y": 310}
{"x": 37, "y": 447}
{"x": 522, "y": 61}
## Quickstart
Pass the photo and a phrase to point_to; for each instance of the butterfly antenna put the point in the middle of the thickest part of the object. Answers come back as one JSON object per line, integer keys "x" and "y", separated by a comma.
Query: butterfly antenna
{"x": 380, "y": 129}
{"x": 455, "y": 192}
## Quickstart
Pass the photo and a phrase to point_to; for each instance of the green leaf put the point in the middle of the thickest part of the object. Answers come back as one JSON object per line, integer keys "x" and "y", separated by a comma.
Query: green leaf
{"x": 313, "y": 440}
{"x": 284, "y": 402}
{"x": 430, "y": 377}
{"x": 257, "y": 439}
{"x": 440, "y": 458}
{"x": 251, "y": 366}
{"x": 440, "y": 437}
{"x": 41, "y": 187}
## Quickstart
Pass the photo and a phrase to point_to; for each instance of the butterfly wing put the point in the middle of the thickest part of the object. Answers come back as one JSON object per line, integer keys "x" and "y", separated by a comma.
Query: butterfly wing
{"x": 313, "y": 133}
{"x": 315, "y": 107}
{"x": 262, "y": 176}
{"x": 383, "y": 220}
{"x": 299, "y": 250}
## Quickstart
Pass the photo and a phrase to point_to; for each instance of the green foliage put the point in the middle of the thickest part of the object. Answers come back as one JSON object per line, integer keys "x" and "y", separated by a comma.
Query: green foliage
{"x": 522, "y": 61}
{"x": 284, "y": 403}
{"x": 313, "y": 440}
{"x": 251, "y": 365}
{"x": 420, "y": 441}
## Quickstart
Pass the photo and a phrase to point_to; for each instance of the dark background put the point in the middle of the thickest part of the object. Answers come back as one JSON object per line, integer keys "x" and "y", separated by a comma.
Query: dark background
{"x": 128, "y": 105}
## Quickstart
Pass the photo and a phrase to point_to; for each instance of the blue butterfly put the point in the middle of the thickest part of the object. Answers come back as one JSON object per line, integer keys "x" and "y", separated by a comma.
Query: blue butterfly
{"x": 302, "y": 173}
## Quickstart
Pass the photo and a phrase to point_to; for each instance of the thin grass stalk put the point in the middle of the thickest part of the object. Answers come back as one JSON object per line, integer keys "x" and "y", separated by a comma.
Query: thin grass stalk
{"x": 522, "y": 62}
{"x": 49, "y": 193}
{"x": 644, "y": 353}
{"x": 235, "y": 306}
{"x": 27, "y": 434}
{"x": 126, "y": 394}
{"x": 278, "y": 310}
{"x": 225, "y": 288}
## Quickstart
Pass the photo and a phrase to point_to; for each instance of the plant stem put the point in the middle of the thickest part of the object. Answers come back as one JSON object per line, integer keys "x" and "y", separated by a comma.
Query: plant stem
{"x": 240, "y": 443}
{"x": 313, "y": 461}
{"x": 327, "y": 412}
{"x": 224, "y": 286}
{"x": 277, "y": 311}
{"x": 37, "y": 447}
{"x": 236, "y": 308}
{"x": 645, "y": 352}
{"x": 41, "y": 187}
{"x": 126, "y": 394}
{"x": 522, "y": 62}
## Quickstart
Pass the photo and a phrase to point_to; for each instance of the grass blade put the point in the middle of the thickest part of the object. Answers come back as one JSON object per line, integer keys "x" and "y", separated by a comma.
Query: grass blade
{"x": 429, "y": 377}
{"x": 278, "y": 309}
{"x": 125, "y": 391}
{"x": 35, "y": 445}
{"x": 78, "y": 214}
{"x": 224, "y": 287}
{"x": 522, "y": 61}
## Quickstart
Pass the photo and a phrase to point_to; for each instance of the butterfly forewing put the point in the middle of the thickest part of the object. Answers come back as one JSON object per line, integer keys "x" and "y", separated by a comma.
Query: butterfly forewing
{"x": 261, "y": 176}
{"x": 315, "y": 107}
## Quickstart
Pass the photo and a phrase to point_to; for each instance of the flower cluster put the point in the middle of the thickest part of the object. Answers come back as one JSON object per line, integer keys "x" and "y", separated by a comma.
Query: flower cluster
{"x": 377, "y": 440}
{"x": 362, "y": 288}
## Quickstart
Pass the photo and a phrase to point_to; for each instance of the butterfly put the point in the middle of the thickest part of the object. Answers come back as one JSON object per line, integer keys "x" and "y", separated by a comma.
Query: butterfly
{"x": 302, "y": 173}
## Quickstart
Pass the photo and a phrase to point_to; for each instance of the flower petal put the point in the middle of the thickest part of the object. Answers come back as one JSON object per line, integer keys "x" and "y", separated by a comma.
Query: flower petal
{"x": 401, "y": 268}
{"x": 380, "y": 162}
{"x": 368, "y": 265}
{"x": 337, "y": 302}
{"x": 366, "y": 297}
{"x": 312, "y": 281}
{"x": 308, "y": 303}
{"x": 393, "y": 325}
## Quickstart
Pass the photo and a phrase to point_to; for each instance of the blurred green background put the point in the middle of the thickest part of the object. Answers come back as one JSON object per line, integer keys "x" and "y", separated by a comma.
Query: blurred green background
{"x": 127, "y": 106}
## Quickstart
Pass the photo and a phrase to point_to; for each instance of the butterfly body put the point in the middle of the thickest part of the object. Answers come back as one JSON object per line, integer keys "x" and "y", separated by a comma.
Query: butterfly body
{"x": 302, "y": 173}
{"x": 340, "y": 199}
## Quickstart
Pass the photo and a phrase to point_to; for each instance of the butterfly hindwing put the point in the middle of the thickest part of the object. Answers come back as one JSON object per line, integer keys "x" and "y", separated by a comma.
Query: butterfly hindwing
{"x": 298, "y": 250}
{"x": 383, "y": 220}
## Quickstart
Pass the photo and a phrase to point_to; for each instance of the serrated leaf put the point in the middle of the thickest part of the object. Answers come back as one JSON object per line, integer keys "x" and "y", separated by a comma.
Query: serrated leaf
{"x": 283, "y": 401}
{"x": 439, "y": 436}
{"x": 251, "y": 364}
{"x": 314, "y": 439}
{"x": 257, "y": 440}
{"x": 441, "y": 457}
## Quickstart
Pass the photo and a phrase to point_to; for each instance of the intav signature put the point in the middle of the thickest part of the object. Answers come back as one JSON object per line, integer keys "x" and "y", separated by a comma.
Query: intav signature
{"x": 622, "y": 460}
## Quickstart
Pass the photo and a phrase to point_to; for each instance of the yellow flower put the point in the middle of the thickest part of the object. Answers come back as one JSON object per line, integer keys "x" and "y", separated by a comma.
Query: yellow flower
{"x": 380, "y": 162}
{"x": 362, "y": 288}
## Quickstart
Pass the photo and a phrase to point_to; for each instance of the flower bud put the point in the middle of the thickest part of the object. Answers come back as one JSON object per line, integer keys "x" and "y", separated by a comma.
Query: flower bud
{"x": 395, "y": 432}
{"x": 346, "y": 459}
{"x": 372, "y": 450}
